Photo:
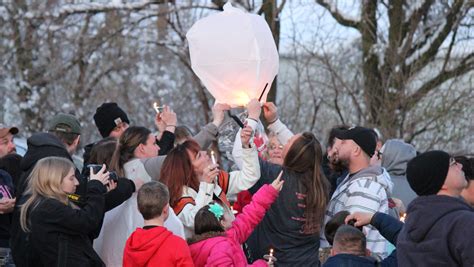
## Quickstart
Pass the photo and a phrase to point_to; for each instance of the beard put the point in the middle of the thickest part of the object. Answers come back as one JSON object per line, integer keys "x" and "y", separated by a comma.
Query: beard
{"x": 338, "y": 165}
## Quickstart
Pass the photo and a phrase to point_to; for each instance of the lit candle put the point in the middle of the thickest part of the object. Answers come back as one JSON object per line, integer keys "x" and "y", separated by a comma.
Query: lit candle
{"x": 402, "y": 219}
{"x": 213, "y": 157}
{"x": 232, "y": 209}
{"x": 270, "y": 258}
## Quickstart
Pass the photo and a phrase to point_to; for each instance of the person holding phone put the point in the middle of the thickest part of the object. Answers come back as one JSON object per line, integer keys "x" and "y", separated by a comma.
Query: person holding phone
{"x": 57, "y": 228}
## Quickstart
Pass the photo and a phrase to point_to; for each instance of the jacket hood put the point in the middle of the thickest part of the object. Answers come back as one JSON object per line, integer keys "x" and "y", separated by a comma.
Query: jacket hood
{"x": 425, "y": 211}
{"x": 143, "y": 244}
{"x": 202, "y": 245}
{"x": 381, "y": 176}
{"x": 41, "y": 145}
{"x": 396, "y": 155}
{"x": 201, "y": 237}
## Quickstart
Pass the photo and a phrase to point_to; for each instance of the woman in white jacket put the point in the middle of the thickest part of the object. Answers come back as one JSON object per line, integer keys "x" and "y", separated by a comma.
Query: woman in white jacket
{"x": 136, "y": 145}
{"x": 194, "y": 180}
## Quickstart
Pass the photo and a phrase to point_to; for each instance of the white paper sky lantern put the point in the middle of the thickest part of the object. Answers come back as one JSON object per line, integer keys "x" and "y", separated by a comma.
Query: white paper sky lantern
{"x": 234, "y": 55}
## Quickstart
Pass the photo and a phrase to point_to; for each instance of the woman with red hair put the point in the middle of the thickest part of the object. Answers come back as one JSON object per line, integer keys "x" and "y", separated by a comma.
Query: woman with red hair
{"x": 194, "y": 180}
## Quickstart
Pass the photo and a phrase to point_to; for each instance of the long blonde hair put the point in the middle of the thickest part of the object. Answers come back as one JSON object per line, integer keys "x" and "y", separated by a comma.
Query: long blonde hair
{"x": 45, "y": 182}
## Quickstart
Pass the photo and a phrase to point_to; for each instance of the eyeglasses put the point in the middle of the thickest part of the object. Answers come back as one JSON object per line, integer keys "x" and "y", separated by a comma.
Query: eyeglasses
{"x": 452, "y": 161}
{"x": 273, "y": 147}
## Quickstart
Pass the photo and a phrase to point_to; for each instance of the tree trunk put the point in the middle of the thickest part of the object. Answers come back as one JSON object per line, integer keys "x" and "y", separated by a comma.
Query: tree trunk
{"x": 270, "y": 11}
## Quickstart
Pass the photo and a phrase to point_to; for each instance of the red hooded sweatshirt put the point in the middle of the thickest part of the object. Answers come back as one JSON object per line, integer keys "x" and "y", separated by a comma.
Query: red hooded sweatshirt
{"x": 156, "y": 247}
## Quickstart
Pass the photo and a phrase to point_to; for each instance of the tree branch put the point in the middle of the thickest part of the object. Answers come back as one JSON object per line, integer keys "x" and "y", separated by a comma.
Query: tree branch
{"x": 466, "y": 65}
{"x": 451, "y": 18}
{"x": 338, "y": 16}
{"x": 93, "y": 8}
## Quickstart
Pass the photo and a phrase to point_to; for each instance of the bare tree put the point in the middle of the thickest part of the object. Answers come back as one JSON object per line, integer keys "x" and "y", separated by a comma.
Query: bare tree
{"x": 407, "y": 57}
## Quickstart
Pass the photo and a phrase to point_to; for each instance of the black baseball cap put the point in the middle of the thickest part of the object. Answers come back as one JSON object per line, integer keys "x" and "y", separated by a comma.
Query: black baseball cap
{"x": 363, "y": 137}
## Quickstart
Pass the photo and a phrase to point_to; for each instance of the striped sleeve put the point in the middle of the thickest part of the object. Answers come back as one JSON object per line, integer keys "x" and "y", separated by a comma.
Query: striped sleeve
{"x": 365, "y": 195}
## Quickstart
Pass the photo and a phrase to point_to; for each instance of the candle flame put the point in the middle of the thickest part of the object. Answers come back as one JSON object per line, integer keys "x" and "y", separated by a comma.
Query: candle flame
{"x": 232, "y": 210}
{"x": 403, "y": 217}
{"x": 156, "y": 107}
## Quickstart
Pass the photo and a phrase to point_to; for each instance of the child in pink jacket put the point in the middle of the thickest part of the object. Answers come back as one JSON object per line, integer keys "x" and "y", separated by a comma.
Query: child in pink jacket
{"x": 219, "y": 238}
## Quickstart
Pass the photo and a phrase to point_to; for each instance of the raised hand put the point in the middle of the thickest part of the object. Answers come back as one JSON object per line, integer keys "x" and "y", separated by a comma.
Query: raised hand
{"x": 270, "y": 112}
{"x": 102, "y": 175}
{"x": 209, "y": 173}
{"x": 254, "y": 109}
{"x": 169, "y": 117}
{"x": 360, "y": 218}
{"x": 278, "y": 182}
{"x": 159, "y": 123}
{"x": 111, "y": 185}
{"x": 245, "y": 135}
{"x": 218, "y": 113}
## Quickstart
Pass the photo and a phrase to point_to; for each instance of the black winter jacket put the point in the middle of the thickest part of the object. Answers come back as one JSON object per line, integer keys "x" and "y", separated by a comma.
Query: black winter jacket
{"x": 42, "y": 145}
{"x": 59, "y": 233}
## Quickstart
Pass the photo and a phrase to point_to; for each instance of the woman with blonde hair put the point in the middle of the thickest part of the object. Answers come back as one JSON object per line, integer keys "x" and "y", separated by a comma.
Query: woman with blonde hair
{"x": 58, "y": 230}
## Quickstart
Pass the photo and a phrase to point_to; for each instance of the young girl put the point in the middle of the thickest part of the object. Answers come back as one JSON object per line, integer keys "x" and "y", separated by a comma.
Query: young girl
{"x": 218, "y": 239}
{"x": 58, "y": 230}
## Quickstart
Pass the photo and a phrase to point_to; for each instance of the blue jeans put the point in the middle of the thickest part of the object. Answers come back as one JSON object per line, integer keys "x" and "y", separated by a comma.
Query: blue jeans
{"x": 6, "y": 259}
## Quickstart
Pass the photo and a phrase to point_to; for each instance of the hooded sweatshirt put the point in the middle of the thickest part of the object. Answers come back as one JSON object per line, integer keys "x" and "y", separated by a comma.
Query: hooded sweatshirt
{"x": 396, "y": 155}
{"x": 364, "y": 191}
{"x": 156, "y": 247}
{"x": 42, "y": 145}
{"x": 438, "y": 231}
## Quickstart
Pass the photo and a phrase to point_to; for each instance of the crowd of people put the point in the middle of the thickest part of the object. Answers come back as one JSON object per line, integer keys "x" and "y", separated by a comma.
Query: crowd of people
{"x": 161, "y": 197}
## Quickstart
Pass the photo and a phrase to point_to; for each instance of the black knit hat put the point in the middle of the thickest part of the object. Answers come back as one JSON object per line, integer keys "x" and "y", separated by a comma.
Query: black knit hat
{"x": 108, "y": 116}
{"x": 427, "y": 172}
{"x": 363, "y": 137}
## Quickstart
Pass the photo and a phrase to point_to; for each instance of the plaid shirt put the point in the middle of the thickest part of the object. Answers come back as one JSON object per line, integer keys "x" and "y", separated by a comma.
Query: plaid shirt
{"x": 366, "y": 191}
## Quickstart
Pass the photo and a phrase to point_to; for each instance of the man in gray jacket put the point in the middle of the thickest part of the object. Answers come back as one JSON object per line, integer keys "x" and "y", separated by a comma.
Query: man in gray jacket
{"x": 365, "y": 188}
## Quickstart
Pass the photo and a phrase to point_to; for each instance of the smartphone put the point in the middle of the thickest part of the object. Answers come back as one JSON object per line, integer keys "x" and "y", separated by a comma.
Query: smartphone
{"x": 96, "y": 167}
